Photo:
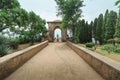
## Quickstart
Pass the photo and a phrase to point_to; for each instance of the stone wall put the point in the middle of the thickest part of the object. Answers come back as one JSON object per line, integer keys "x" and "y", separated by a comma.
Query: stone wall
{"x": 106, "y": 67}
{"x": 11, "y": 62}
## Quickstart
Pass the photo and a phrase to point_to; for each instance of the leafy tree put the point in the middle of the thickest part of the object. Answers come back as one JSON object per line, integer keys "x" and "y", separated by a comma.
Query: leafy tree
{"x": 110, "y": 25}
{"x": 5, "y": 12}
{"x": 71, "y": 12}
{"x": 19, "y": 21}
{"x": 118, "y": 3}
{"x": 36, "y": 25}
{"x": 3, "y": 20}
{"x": 99, "y": 28}
{"x": 9, "y": 4}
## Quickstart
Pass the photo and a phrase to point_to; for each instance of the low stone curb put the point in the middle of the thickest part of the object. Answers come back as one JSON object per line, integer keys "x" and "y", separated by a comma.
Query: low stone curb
{"x": 11, "y": 62}
{"x": 106, "y": 67}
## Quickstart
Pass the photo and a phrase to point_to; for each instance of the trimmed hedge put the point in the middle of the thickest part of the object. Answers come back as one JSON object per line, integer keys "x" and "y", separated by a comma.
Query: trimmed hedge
{"x": 90, "y": 45}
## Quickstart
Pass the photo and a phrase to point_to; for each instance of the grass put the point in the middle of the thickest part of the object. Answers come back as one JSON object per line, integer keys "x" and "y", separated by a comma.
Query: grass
{"x": 99, "y": 50}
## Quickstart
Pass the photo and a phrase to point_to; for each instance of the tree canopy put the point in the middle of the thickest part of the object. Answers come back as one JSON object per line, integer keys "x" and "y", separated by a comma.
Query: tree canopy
{"x": 118, "y": 3}
{"x": 70, "y": 10}
{"x": 27, "y": 25}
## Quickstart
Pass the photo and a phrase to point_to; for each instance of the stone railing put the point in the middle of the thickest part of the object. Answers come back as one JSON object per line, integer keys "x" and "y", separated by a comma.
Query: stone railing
{"x": 11, "y": 62}
{"x": 106, "y": 67}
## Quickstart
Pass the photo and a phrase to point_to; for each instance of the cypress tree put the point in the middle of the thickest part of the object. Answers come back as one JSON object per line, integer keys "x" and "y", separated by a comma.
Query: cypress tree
{"x": 86, "y": 32}
{"x": 82, "y": 32}
{"x": 99, "y": 28}
{"x": 94, "y": 27}
{"x": 104, "y": 24}
{"x": 117, "y": 29}
{"x": 110, "y": 25}
{"x": 90, "y": 31}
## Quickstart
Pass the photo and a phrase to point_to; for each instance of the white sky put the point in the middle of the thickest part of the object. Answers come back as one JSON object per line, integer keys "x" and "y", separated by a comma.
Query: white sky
{"x": 47, "y": 8}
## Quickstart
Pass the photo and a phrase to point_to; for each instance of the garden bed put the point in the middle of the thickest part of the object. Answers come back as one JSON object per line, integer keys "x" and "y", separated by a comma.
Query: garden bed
{"x": 112, "y": 55}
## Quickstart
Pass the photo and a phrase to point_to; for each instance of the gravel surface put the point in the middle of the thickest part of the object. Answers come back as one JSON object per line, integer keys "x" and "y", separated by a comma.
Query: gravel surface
{"x": 55, "y": 62}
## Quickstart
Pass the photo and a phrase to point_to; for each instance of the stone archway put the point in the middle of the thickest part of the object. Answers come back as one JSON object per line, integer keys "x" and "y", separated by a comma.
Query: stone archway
{"x": 52, "y": 25}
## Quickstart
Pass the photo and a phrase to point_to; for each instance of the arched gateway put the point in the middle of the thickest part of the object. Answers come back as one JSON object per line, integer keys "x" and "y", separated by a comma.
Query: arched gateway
{"x": 52, "y": 25}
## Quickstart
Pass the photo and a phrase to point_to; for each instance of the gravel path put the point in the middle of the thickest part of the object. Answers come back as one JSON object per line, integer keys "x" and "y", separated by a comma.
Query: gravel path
{"x": 55, "y": 62}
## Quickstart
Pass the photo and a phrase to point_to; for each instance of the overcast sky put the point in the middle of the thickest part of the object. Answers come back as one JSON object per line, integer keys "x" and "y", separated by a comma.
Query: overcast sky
{"x": 47, "y": 8}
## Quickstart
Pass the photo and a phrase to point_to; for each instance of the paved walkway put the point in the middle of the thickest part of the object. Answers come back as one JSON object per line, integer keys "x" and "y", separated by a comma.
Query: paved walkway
{"x": 55, "y": 62}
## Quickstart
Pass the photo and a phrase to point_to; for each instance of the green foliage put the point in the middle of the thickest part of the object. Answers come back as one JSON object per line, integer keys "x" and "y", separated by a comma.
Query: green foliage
{"x": 90, "y": 26}
{"x": 4, "y": 47}
{"x": 94, "y": 27}
{"x": 117, "y": 28}
{"x": 109, "y": 48}
{"x": 110, "y": 25}
{"x": 98, "y": 35}
{"x": 23, "y": 40}
{"x": 104, "y": 25}
{"x": 6, "y": 7}
{"x": 118, "y": 3}
{"x": 9, "y": 4}
{"x": 36, "y": 27}
{"x": 117, "y": 50}
{"x": 4, "y": 50}
{"x": 83, "y": 32}
{"x": 13, "y": 43}
{"x": 90, "y": 45}
{"x": 29, "y": 26}
{"x": 71, "y": 11}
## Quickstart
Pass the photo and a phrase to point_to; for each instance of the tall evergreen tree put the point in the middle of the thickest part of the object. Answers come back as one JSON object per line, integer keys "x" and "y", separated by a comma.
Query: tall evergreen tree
{"x": 90, "y": 31}
{"x": 110, "y": 25}
{"x": 105, "y": 24}
{"x": 94, "y": 28}
{"x": 77, "y": 32}
{"x": 117, "y": 29}
{"x": 86, "y": 32}
{"x": 99, "y": 28}
{"x": 82, "y": 31}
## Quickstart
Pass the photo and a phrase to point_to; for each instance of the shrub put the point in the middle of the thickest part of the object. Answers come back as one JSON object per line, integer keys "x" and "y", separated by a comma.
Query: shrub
{"x": 14, "y": 43}
{"x": 109, "y": 48}
{"x": 4, "y": 50}
{"x": 4, "y": 47}
{"x": 3, "y": 40}
{"x": 90, "y": 45}
{"x": 23, "y": 40}
{"x": 117, "y": 50}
